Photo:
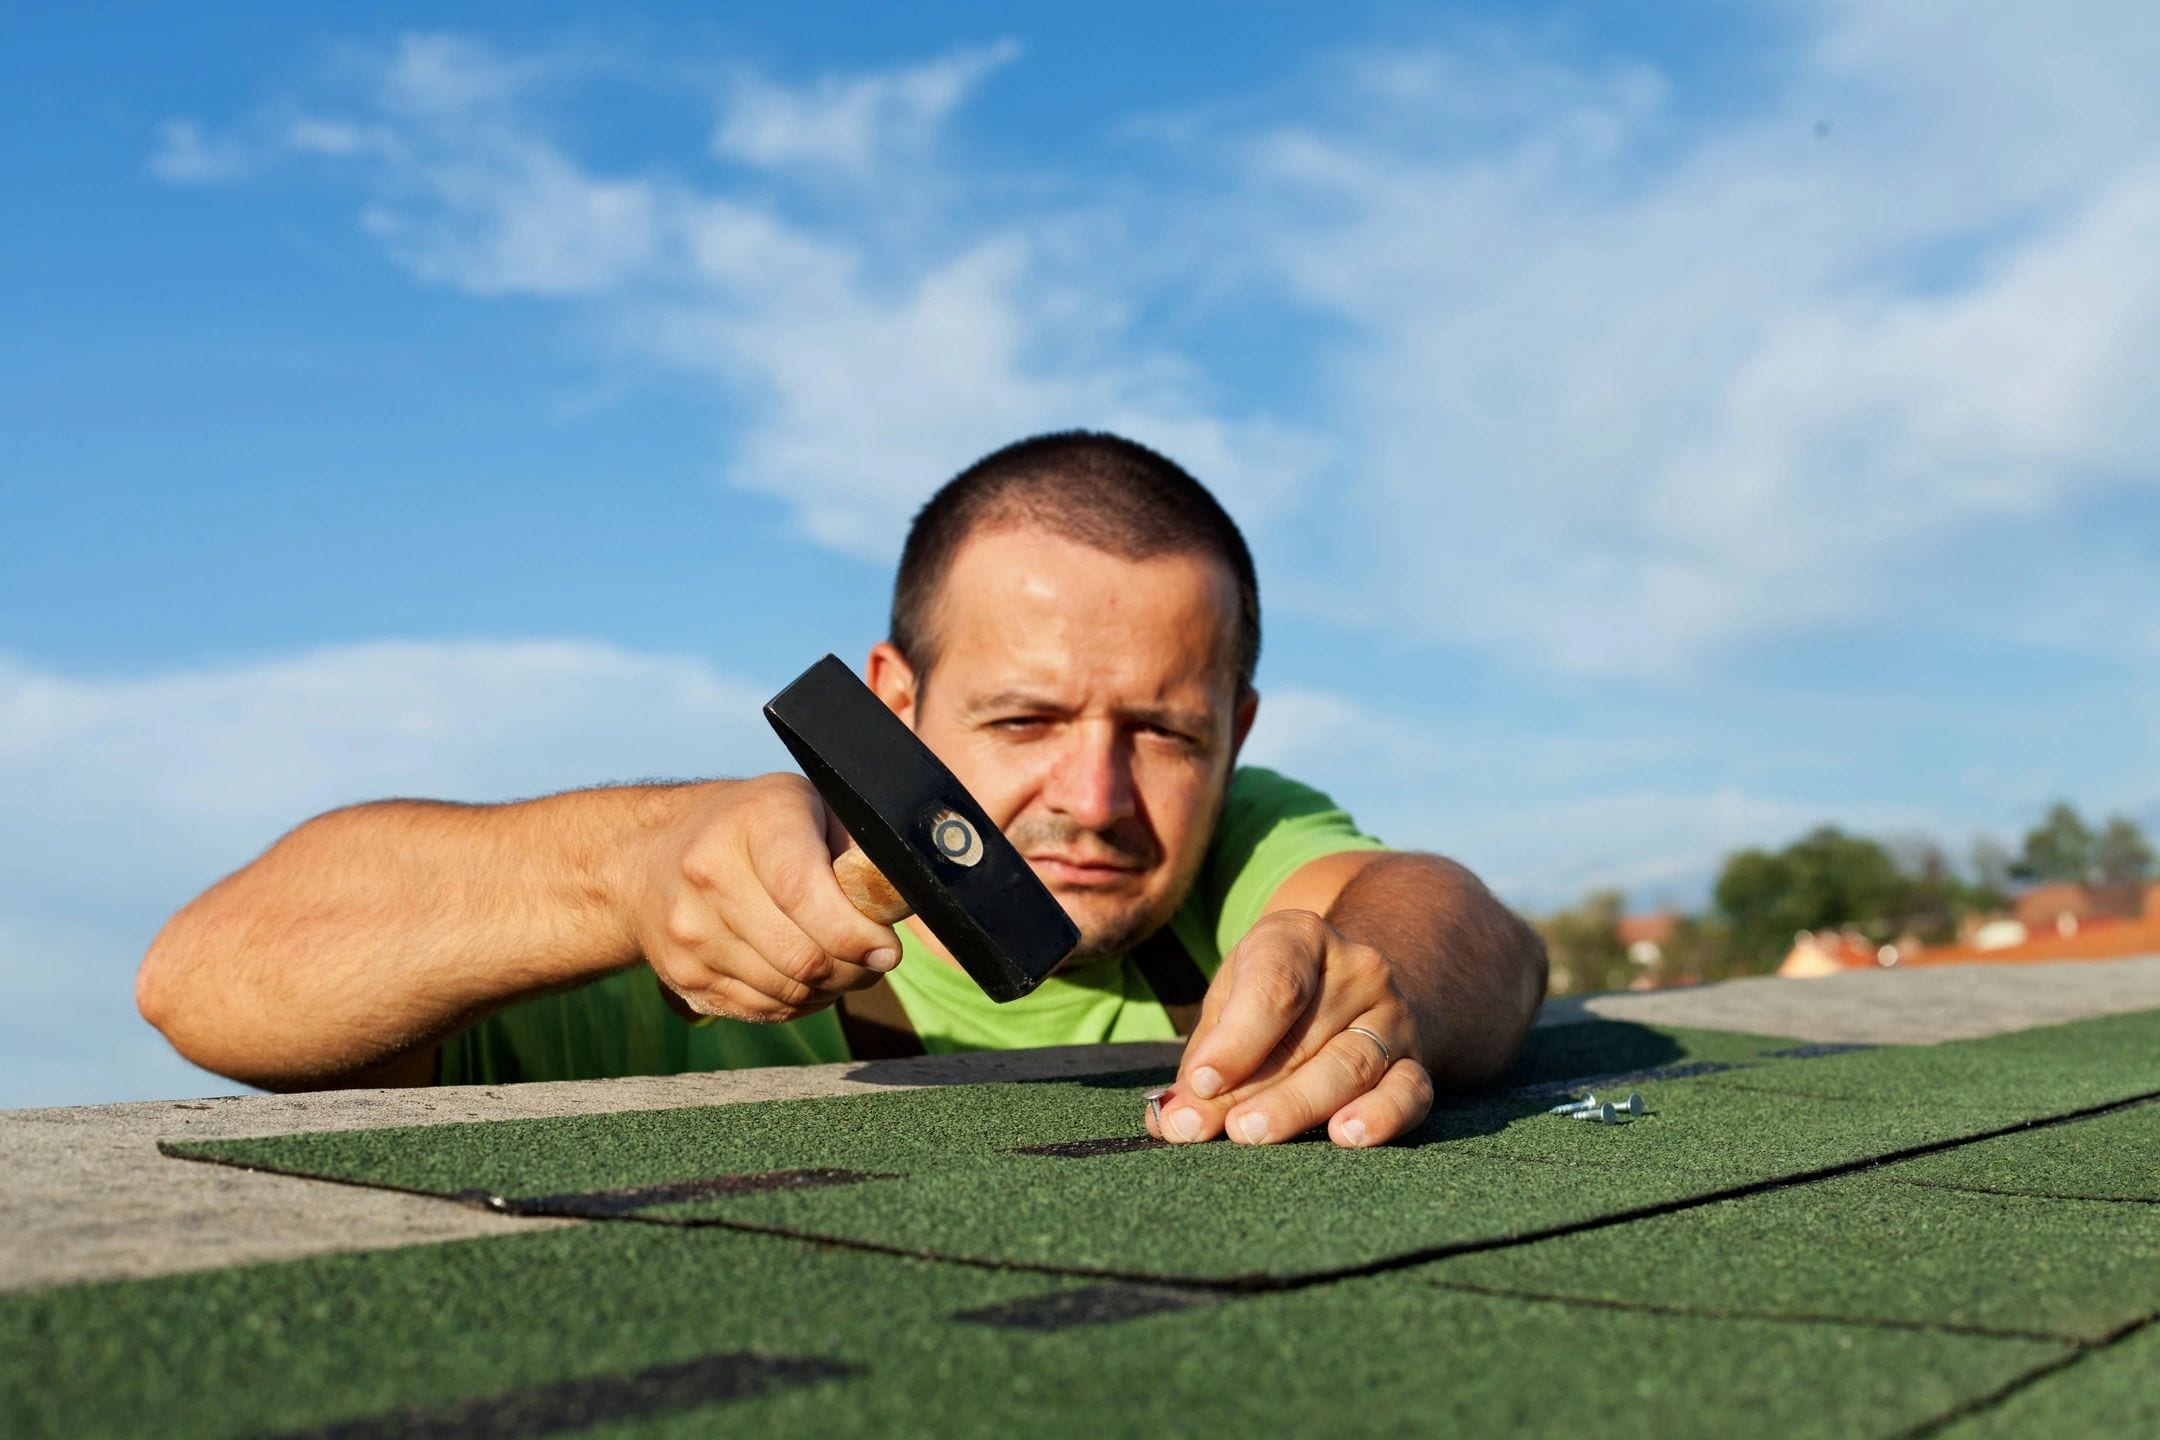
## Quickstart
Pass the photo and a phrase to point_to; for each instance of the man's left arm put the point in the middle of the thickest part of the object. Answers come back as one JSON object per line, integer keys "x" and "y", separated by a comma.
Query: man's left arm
{"x": 1370, "y": 977}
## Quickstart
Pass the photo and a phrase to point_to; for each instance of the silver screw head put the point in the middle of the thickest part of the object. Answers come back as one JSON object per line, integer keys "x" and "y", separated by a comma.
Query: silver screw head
{"x": 1603, "y": 1114}
{"x": 1633, "y": 1105}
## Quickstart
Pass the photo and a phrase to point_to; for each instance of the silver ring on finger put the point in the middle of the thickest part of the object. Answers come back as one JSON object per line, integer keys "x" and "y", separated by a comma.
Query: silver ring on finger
{"x": 1387, "y": 1056}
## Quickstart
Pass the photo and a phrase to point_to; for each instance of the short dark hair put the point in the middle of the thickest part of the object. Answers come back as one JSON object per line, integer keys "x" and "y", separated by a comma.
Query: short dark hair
{"x": 1101, "y": 490}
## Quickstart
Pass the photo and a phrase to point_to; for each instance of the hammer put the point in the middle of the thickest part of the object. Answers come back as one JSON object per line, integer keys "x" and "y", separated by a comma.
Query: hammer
{"x": 922, "y": 844}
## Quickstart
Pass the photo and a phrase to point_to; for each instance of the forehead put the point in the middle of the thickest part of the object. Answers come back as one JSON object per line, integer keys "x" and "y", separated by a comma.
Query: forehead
{"x": 1025, "y": 607}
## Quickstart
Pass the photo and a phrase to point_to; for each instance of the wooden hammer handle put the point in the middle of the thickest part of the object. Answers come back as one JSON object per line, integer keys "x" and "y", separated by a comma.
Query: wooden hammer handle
{"x": 867, "y": 889}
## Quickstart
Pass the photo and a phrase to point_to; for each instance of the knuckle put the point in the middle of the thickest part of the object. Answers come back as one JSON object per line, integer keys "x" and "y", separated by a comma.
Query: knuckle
{"x": 789, "y": 884}
{"x": 1357, "y": 1066}
{"x": 807, "y": 963}
{"x": 778, "y": 794}
{"x": 1421, "y": 1084}
{"x": 687, "y": 926}
{"x": 1283, "y": 989}
{"x": 787, "y": 785}
{"x": 700, "y": 868}
{"x": 1363, "y": 958}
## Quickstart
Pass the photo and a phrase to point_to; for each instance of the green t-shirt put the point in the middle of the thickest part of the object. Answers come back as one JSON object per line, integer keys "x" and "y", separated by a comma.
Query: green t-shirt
{"x": 1271, "y": 827}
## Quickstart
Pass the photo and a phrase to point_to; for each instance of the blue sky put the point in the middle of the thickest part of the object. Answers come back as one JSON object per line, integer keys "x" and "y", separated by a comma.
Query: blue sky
{"x": 1659, "y": 432}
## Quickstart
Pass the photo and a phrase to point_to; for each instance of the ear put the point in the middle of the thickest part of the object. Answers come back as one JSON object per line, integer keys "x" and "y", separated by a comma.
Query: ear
{"x": 892, "y": 680}
{"x": 1241, "y": 724}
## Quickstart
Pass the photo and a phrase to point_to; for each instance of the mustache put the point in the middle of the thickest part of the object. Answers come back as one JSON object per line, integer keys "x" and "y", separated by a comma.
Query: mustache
{"x": 1121, "y": 844}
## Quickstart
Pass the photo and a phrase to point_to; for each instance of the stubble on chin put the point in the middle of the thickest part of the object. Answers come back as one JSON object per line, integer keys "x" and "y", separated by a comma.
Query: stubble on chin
{"x": 1107, "y": 937}
{"x": 1112, "y": 938}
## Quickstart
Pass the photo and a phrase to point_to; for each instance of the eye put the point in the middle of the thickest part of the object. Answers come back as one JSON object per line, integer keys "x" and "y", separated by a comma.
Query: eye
{"x": 1021, "y": 725}
{"x": 1176, "y": 739}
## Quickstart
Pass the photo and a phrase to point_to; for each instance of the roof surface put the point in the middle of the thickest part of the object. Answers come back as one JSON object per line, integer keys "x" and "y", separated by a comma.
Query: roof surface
{"x": 1802, "y": 1236}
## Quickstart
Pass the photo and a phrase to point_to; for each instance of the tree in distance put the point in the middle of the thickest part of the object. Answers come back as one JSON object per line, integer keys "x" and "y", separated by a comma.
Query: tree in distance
{"x": 1823, "y": 880}
{"x": 1584, "y": 946}
{"x": 2059, "y": 848}
{"x": 2121, "y": 854}
{"x": 2063, "y": 848}
{"x": 1831, "y": 880}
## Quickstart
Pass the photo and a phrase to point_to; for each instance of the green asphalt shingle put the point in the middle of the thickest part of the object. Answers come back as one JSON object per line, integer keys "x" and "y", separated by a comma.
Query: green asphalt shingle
{"x": 1479, "y": 1171}
{"x": 435, "y": 1330}
{"x": 1875, "y": 1302}
{"x": 2030, "y": 1072}
{"x": 2111, "y": 1392}
{"x": 2112, "y": 1157}
{"x": 1859, "y": 1248}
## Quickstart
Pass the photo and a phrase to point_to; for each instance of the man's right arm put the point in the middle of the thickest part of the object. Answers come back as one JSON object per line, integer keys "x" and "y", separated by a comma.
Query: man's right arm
{"x": 353, "y": 946}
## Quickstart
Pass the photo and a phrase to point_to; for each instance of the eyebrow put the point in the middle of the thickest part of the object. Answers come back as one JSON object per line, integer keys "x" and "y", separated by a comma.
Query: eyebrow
{"x": 1198, "y": 722}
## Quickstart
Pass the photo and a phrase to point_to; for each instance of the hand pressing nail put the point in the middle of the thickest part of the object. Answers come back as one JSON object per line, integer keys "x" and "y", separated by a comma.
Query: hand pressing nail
{"x": 1179, "y": 1126}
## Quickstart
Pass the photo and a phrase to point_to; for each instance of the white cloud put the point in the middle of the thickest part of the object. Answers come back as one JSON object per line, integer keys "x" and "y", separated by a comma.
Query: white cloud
{"x": 185, "y": 155}
{"x": 436, "y": 77}
{"x": 851, "y": 123}
{"x": 870, "y": 357}
{"x": 317, "y": 135}
{"x": 867, "y": 395}
{"x": 1616, "y": 390}
{"x": 1636, "y": 391}
{"x": 127, "y": 796}
{"x": 519, "y": 220}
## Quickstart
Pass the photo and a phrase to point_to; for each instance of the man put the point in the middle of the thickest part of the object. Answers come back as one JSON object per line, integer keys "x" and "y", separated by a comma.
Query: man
{"x": 1074, "y": 632}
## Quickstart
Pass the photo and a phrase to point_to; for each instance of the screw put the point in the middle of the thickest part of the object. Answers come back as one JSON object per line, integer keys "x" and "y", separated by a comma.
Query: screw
{"x": 1633, "y": 1105}
{"x": 1603, "y": 1114}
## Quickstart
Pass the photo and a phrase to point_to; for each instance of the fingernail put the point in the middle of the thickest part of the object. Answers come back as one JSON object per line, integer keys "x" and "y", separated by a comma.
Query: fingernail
{"x": 1353, "y": 1133}
{"x": 1253, "y": 1127}
{"x": 1185, "y": 1124}
{"x": 1206, "y": 1083}
{"x": 882, "y": 958}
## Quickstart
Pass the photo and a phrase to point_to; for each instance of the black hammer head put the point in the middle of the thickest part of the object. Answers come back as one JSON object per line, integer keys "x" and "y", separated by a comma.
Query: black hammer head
{"x": 919, "y": 826}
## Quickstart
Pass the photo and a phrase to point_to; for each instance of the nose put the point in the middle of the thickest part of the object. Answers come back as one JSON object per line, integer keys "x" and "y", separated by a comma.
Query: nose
{"x": 1092, "y": 780}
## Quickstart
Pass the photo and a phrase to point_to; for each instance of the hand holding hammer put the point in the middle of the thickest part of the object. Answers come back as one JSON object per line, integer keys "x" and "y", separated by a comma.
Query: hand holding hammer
{"x": 755, "y": 925}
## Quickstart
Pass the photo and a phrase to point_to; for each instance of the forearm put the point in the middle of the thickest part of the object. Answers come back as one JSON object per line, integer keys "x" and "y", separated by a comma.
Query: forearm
{"x": 1471, "y": 970}
{"x": 370, "y": 933}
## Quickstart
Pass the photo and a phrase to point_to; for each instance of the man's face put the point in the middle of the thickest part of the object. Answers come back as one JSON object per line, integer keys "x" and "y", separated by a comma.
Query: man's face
{"x": 1088, "y": 703}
